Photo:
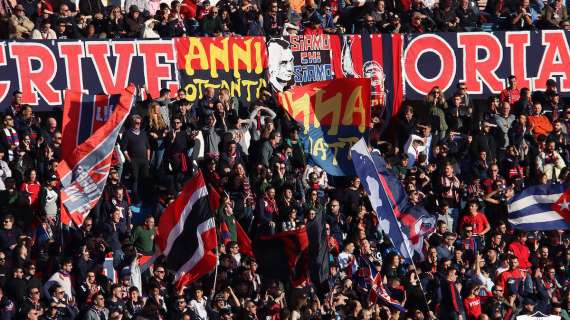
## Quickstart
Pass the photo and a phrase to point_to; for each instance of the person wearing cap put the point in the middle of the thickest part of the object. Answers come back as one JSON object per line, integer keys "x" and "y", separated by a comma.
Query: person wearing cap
{"x": 527, "y": 308}
{"x": 20, "y": 26}
{"x": 544, "y": 96}
{"x": 134, "y": 22}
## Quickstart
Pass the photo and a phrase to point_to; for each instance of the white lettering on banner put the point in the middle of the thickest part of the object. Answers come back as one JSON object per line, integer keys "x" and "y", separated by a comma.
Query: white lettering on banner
{"x": 103, "y": 113}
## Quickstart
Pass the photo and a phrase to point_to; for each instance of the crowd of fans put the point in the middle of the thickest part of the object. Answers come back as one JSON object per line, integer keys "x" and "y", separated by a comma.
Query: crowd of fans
{"x": 112, "y": 19}
{"x": 460, "y": 160}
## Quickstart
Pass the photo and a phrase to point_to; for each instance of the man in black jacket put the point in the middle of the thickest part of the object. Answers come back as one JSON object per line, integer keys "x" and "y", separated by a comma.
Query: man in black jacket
{"x": 451, "y": 304}
{"x": 136, "y": 148}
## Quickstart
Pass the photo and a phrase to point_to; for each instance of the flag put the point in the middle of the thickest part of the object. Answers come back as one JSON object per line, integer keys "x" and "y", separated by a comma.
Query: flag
{"x": 330, "y": 114}
{"x": 243, "y": 240}
{"x": 378, "y": 294}
{"x": 108, "y": 269}
{"x": 404, "y": 224}
{"x": 374, "y": 56}
{"x": 416, "y": 222}
{"x": 284, "y": 255}
{"x": 224, "y": 232}
{"x": 214, "y": 198}
{"x": 318, "y": 250}
{"x": 187, "y": 233}
{"x": 91, "y": 125}
{"x": 540, "y": 208}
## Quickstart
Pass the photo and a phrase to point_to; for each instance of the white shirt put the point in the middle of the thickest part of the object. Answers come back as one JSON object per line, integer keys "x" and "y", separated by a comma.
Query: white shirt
{"x": 62, "y": 280}
{"x": 5, "y": 172}
{"x": 200, "y": 308}
{"x": 414, "y": 152}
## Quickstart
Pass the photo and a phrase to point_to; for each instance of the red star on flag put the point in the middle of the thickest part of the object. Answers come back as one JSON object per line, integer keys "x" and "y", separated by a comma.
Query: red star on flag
{"x": 562, "y": 205}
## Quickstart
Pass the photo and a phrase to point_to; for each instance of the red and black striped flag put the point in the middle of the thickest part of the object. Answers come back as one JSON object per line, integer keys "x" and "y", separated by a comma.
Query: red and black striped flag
{"x": 284, "y": 256}
{"x": 187, "y": 233}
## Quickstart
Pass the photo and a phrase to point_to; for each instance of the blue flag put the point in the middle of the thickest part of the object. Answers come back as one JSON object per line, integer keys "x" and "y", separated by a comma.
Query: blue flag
{"x": 403, "y": 223}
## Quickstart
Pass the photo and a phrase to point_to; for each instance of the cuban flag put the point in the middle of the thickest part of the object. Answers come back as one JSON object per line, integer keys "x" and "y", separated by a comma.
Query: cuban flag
{"x": 91, "y": 126}
{"x": 541, "y": 208}
{"x": 403, "y": 223}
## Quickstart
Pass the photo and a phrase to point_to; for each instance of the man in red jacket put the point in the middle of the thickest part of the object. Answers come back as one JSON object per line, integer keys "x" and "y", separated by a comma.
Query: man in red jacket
{"x": 520, "y": 250}
{"x": 510, "y": 280}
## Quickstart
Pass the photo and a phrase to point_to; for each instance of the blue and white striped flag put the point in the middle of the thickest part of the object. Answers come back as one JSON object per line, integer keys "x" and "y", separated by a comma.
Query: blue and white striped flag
{"x": 541, "y": 208}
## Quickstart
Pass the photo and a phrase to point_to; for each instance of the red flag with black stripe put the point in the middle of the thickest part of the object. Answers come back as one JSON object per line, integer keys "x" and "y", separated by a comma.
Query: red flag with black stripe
{"x": 187, "y": 234}
{"x": 244, "y": 241}
{"x": 284, "y": 256}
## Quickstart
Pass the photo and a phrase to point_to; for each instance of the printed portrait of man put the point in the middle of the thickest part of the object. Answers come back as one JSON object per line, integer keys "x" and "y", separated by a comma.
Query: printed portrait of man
{"x": 280, "y": 64}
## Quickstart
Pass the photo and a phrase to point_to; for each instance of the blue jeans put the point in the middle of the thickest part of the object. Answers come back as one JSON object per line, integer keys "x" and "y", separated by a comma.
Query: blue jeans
{"x": 158, "y": 154}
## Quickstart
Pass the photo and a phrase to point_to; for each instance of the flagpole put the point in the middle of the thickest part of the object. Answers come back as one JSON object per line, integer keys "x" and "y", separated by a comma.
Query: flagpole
{"x": 409, "y": 254}
{"x": 215, "y": 276}
{"x": 217, "y": 259}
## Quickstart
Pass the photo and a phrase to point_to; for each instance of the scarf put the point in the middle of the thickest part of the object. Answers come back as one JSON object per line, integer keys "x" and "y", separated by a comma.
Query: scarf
{"x": 12, "y": 139}
{"x": 271, "y": 206}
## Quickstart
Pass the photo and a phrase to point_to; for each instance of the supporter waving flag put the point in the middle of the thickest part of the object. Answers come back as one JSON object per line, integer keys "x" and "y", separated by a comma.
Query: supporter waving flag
{"x": 187, "y": 233}
{"x": 542, "y": 207}
{"x": 284, "y": 255}
{"x": 91, "y": 125}
{"x": 404, "y": 224}
{"x": 378, "y": 294}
